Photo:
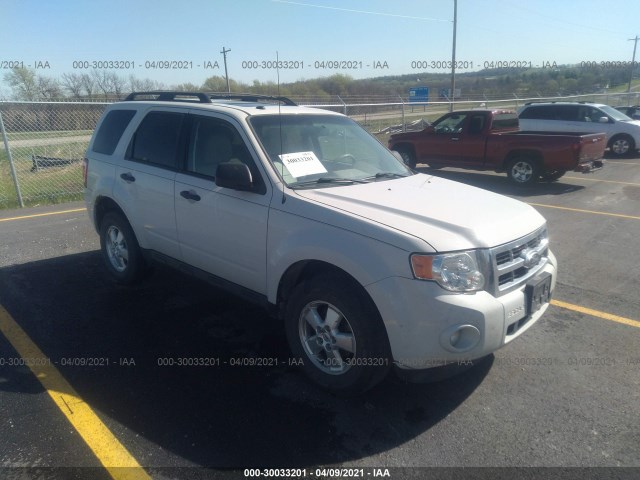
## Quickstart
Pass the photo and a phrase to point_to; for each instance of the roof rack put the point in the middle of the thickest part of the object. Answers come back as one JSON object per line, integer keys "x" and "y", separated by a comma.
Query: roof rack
{"x": 204, "y": 97}
{"x": 170, "y": 96}
{"x": 561, "y": 101}
{"x": 251, "y": 97}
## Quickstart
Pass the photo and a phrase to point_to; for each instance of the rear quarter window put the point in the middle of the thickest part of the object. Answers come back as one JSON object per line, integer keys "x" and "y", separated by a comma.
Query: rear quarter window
{"x": 110, "y": 131}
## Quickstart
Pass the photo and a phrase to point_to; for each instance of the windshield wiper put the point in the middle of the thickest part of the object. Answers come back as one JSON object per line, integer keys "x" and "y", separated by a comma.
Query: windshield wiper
{"x": 389, "y": 175}
{"x": 334, "y": 180}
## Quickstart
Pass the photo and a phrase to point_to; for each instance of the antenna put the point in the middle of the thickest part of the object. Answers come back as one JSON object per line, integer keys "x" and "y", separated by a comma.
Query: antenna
{"x": 284, "y": 198}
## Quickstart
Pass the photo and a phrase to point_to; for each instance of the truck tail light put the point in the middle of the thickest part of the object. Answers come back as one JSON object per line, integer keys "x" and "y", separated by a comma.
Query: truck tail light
{"x": 85, "y": 170}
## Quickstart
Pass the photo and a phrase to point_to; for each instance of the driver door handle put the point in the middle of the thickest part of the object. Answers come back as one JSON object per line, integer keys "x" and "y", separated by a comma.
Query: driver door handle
{"x": 190, "y": 195}
{"x": 127, "y": 177}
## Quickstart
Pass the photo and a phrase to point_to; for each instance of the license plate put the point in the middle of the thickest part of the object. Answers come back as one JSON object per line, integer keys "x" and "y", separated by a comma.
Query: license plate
{"x": 538, "y": 292}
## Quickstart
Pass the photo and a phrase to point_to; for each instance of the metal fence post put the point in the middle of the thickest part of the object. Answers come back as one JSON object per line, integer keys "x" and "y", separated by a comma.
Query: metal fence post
{"x": 344, "y": 105}
{"x": 13, "y": 169}
{"x": 404, "y": 124}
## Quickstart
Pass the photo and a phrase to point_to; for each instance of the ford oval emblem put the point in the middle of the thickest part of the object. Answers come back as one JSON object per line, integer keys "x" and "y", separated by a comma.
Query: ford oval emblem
{"x": 531, "y": 258}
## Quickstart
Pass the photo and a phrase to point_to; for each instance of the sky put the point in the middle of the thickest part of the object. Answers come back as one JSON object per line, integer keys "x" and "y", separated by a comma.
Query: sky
{"x": 311, "y": 38}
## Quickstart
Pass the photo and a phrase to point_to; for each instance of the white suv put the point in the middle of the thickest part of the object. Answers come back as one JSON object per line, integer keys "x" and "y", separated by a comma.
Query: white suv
{"x": 369, "y": 264}
{"x": 623, "y": 133}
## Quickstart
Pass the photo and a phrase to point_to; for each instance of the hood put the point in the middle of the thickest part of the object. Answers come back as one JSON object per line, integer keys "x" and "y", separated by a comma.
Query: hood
{"x": 447, "y": 215}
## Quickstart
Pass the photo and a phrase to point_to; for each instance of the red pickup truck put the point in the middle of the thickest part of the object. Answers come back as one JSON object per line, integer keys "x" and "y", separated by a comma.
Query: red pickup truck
{"x": 491, "y": 140}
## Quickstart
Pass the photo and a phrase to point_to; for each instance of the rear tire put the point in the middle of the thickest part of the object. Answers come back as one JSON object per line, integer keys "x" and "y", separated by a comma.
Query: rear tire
{"x": 621, "y": 145}
{"x": 334, "y": 328}
{"x": 120, "y": 249}
{"x": 553, "y": 175}
{"x": 523, "y": 171}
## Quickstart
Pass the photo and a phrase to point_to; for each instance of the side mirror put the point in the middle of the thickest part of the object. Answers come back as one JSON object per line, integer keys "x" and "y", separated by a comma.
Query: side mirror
{"x": 235, "y": 176}
{"x": 603, "y": 120}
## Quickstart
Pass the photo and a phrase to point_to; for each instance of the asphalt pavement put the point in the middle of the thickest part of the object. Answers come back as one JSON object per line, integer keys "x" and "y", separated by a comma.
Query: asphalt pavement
{"x": 565, "y": 394}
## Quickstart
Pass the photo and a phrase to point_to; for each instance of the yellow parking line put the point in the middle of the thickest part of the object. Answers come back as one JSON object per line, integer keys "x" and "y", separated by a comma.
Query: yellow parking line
{"x": 596, "y": 313}
{"x": 605, "y": 181}
{"x": 632, "y": 217}
{"x": 42, "y": 214}
{"x": 110, "y": 452}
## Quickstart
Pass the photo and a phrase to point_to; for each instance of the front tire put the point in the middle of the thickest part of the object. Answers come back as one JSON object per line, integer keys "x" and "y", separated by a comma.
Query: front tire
{"x": 334, "y": 328}
{"x": 120, "y": 249}
{"x": 523, "y": 171}
{"x": 621, "y": 145}
{"x": 408, "y": 157}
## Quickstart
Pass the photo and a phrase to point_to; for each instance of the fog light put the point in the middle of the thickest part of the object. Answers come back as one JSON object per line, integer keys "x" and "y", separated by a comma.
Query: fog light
{"x": 460, "y": 338}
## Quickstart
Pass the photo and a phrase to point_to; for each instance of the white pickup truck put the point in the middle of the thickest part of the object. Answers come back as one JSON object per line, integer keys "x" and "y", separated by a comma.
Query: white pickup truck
{"x": 368, "y": 264}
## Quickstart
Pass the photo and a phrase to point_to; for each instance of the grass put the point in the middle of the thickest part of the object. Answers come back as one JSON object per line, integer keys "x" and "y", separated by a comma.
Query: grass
{"x": 635, "y": 85}
{"x": 46, "y": 185}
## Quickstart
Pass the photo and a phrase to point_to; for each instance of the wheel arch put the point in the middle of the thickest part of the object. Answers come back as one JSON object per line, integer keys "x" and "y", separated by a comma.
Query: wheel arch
{"x": 406, "y": 147}
{"x": 306, "y": 269}
{"x": 104, "y": 205}
{"x": 632, "y": 142}
{"x": 534, "y": 155}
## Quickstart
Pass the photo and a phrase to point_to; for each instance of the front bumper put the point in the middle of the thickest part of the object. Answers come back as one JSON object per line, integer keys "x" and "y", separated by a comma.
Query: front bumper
{"x": 420, "y": 317}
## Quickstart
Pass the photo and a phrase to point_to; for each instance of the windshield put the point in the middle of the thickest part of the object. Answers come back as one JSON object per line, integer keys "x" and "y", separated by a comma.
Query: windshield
{"x": 324, "y": 150}
{"x": 615, "y": 114}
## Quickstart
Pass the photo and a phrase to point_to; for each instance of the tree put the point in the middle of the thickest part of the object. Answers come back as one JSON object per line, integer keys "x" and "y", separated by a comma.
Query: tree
{"x": 73, "y": 84}
{"x": 186, "y": 87}
{"x": 48, "y": 88}
{"x": 88, "y": 85}
{"x": 23, "y": 83}
{"x": 109, "y": 83}
{"x": 144, "y": 85}
{"x": 219, "y": 84}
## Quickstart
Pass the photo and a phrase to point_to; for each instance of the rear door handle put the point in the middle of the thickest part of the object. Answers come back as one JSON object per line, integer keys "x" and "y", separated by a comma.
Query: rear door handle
{"x": 190, "y": 195}
{"x": 127, "y": 177}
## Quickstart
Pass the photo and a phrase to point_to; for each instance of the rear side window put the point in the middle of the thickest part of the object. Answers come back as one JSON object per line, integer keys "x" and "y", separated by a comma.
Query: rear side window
{"x": 504, "y": 120}
{"x": 567, "y": 113}
{"x": 537, "y": 113}
{"x": 156, "y": 140}
{"x": 111, "y": 129}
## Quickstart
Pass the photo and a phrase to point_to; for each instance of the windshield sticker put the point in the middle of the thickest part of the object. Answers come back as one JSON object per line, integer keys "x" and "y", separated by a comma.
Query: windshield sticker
{"x": 300, "y": 164}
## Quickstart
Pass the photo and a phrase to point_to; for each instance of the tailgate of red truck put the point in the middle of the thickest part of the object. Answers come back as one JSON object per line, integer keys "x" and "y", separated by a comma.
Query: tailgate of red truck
{"x": 592, "y": 146}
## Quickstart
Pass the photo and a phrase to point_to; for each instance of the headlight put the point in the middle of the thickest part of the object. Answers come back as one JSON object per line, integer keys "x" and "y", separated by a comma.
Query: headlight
{"x": 458, "y": 272}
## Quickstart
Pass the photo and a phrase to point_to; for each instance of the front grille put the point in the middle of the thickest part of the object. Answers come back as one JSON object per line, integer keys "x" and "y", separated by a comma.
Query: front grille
{"x": 515, "y": 262}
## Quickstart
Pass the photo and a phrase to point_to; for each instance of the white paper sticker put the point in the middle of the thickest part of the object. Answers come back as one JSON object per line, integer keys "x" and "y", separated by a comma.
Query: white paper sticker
{"x": 300, "y": 164}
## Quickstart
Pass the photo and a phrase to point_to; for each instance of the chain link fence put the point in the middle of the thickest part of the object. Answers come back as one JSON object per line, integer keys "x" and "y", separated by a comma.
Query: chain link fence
{"x": 44, "y": 142}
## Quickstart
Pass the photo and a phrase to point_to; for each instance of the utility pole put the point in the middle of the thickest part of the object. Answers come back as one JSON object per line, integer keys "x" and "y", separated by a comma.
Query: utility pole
{"x": 453, "y": 56}
{"x": 633, "y": 63}
{"x": 226, "y": 74}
